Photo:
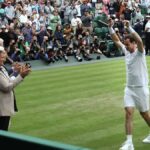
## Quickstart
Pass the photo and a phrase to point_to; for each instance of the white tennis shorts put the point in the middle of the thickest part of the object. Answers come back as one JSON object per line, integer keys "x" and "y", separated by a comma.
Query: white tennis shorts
{"x": 137, "y": 97}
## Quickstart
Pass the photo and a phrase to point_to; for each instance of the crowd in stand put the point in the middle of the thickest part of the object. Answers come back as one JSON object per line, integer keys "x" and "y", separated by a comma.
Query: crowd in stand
{"x": 52, "y": 30}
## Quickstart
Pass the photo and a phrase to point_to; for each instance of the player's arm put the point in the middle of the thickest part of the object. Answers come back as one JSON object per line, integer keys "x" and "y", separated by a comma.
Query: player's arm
{"x": 135, "y": 35}
{"x": 113, "y": 34}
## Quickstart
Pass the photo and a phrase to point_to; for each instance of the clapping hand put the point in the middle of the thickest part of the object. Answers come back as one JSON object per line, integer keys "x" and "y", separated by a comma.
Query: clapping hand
{"x": 25, "y": 70}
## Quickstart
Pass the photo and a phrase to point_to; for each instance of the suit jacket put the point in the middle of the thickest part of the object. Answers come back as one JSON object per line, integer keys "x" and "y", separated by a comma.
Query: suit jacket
{"x": 6, "y": 93}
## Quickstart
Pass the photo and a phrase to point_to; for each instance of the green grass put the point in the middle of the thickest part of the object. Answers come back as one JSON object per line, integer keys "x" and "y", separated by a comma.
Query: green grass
{"x": 79, "y": 105}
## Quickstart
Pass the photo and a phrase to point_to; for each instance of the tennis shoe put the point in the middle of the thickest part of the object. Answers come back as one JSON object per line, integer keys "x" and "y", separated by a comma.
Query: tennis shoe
{"x": 127, "y": 146}
{"x": 147, "y": 139}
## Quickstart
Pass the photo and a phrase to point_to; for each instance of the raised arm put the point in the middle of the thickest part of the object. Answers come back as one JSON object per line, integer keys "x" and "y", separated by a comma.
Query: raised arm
{"x": 113, "y": 34}
{"x": 135, "y": 35}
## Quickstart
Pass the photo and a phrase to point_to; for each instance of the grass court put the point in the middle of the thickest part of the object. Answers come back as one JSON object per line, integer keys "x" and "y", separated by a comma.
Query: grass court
{"x": 80, "y": 105}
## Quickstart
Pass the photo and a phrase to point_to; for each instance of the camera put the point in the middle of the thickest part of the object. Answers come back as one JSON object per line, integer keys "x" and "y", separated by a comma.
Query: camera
{"x": 21, "y": 38}
{"x": 28, "y": 65}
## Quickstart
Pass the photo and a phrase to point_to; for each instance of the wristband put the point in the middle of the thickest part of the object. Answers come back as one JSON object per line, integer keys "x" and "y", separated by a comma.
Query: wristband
{"x": 111, "y": 30}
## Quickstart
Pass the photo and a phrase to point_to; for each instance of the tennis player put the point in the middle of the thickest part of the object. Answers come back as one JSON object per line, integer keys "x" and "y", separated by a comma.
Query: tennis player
{"x": 136, "y": 94}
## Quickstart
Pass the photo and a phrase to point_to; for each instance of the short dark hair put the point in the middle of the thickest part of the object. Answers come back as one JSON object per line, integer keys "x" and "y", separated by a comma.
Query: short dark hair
{"x": 130, "y": 37}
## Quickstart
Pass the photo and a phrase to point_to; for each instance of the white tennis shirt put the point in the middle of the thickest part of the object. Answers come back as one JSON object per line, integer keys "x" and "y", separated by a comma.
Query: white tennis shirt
{"x": 136, "y": 68}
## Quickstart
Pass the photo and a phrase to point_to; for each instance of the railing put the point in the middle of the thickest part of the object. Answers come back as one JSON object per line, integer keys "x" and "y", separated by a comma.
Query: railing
{"x": 13, "y": 140}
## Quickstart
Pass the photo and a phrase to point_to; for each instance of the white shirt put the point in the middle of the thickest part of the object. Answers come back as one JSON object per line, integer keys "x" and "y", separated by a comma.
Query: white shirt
{"x": 78, "y": 7}
{"x": 136, "y": 68}
{"x": 10, "y": 12}
{"x": 28, "y": 9}
{"x": 75, "y": 21}
{"x": 147, "y": 26}
{"x": 23, "y": 18}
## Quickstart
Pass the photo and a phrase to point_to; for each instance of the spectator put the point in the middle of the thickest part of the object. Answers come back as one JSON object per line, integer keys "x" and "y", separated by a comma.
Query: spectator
{"x": 7, "y": 85}
{"x": 74, "y": 23}
{"x": 4, "y": 36}
{"x": 55, "y": 20}
{"x": 73, "y": 11}
{"x": 87, "y": 21}
{"x": 9, "y": 11}
{"x": 84, "y": 7}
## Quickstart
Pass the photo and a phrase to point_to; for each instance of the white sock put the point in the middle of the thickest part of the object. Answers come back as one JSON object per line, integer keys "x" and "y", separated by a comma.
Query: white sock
{"x": 129, "y": 138}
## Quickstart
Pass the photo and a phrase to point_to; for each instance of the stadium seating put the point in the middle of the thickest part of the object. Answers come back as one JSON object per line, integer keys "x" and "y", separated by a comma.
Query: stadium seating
{"x": 101, "y": 32}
